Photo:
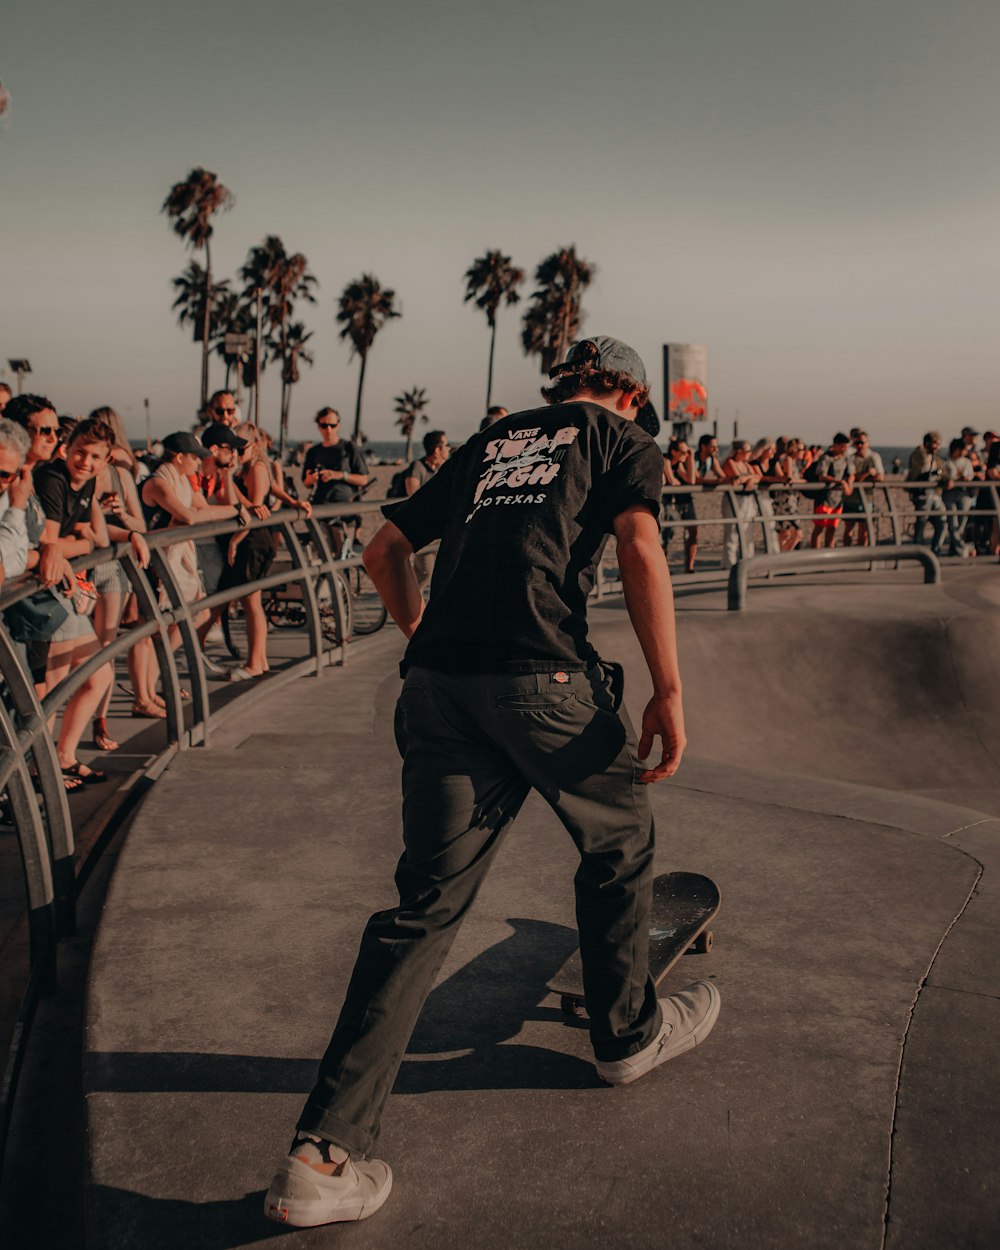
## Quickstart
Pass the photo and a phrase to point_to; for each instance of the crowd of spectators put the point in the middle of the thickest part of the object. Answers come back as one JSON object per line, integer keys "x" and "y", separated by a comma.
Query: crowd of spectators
{"x": 69, "y": 488}
{"x": 770, "y": 478}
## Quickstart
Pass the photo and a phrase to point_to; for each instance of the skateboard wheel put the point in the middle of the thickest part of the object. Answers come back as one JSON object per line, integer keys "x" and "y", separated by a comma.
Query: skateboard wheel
{"x": 572, "y": 1006}
{"x": 703, "y": 943}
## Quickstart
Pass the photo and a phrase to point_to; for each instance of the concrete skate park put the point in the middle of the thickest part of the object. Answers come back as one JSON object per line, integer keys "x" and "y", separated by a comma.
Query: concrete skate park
{"x": 842, "y": 785}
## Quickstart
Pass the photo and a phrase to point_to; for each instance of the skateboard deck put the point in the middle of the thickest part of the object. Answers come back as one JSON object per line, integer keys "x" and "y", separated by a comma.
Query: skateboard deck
{"x": 684, "y": 904}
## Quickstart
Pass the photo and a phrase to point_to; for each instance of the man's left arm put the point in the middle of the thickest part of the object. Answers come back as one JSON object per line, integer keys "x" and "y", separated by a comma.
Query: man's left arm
{"x": 650, "y": 603}
{"x": 387, "y": 560}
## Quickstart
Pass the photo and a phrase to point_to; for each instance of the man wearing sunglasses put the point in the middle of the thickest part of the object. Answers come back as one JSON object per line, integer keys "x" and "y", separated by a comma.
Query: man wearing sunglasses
{"x": 222, "y": 407}
{"x": 334, "y": 470}
{"x": 15, "y": 491}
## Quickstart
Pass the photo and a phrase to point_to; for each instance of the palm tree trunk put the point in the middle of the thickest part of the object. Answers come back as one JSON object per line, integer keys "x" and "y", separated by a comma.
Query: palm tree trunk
{"x": 357, "y": 406}
{"x": 409, "y": 445}
{"x": 204, "y": 326}
{"x": 285, "y": 395}
{"x": 489, "y": 369}
{"x": 286, "y": 406}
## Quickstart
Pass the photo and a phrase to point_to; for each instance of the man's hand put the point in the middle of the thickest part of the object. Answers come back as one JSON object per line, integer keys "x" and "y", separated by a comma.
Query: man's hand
{"x": 53, "y": 567}
{"x": 663, "y": 718}
{"x": 19, "y": 491}
{"x": 261, "y": 511}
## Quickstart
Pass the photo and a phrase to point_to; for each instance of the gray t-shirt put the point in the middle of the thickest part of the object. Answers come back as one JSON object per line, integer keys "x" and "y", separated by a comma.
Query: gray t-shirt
{"x": 832, "y": 466}
{"x": 421, "y": 471}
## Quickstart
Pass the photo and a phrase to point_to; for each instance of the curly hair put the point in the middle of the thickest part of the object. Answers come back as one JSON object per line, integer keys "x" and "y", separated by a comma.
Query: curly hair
{"x": 594, "y": 382}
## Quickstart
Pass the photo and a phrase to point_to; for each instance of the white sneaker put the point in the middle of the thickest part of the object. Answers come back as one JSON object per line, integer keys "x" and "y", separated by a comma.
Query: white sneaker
{"x": 688, "y": 1018}
{"x": 304, "y": 1198}
{"x": 215, "y": 635}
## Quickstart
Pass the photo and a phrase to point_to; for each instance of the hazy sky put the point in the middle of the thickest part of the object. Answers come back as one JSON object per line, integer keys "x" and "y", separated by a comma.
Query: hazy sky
{"x": 809, "y": 188}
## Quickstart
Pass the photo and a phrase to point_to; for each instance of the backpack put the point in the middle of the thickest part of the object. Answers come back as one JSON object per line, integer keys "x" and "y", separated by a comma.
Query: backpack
{"x": 811, "y": 473}
{"x": 397, "y": 487}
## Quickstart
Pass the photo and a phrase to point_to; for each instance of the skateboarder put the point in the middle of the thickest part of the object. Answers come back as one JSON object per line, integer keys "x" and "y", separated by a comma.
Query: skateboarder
{"x": 503, "y": 692}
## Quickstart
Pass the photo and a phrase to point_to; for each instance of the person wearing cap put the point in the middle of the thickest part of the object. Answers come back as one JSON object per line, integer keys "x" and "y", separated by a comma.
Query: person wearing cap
{"x": 171, "y": 501}
{"x": 503, "y": 692}
{"x": 969, "y": 450}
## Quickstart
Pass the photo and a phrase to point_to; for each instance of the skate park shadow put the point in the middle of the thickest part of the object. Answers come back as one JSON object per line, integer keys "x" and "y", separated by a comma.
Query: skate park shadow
{"x": 483, "y": 1005}
{"x": 172, "y": 1222}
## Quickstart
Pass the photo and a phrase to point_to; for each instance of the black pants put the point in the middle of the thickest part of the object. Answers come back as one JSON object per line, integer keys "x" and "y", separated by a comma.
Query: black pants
{"x": 472, "y": 748}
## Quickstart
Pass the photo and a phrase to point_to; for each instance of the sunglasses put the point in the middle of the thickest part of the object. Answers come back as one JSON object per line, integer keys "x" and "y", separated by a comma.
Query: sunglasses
{"x": 328, "y": 425}
{"x": 47, "y": 431}
{"x": 8, "y": 475}
{"x": 225, "y": 412}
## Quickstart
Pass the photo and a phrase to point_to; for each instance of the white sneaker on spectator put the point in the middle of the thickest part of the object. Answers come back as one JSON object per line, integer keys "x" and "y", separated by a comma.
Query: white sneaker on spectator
{"x": 216, "y": 636}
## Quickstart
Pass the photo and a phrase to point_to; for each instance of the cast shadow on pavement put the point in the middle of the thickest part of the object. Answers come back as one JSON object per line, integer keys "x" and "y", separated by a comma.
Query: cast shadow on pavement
{"x": 480, "y": 1007}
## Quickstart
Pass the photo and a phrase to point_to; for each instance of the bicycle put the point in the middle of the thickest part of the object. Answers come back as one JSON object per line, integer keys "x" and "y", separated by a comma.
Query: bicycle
{"x": 368, "y": 612}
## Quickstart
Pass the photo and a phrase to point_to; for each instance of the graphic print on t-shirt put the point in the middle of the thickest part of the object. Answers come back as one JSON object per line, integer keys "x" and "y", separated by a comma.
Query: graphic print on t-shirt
{"x": 516, "y": 466}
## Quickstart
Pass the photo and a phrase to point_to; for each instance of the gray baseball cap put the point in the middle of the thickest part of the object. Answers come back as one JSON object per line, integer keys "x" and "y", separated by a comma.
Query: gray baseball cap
{"x": 602, "y": 352}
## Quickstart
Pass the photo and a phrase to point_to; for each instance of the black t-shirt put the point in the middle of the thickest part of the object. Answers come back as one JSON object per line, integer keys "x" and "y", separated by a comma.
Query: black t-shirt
{"x": 523, "y": 511}
{"x": 342, "y": 457}
{"x": 59, "y": 500}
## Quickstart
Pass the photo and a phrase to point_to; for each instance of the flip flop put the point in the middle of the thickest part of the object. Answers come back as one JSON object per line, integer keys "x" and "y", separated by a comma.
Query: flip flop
{"x": 102, "y": 739}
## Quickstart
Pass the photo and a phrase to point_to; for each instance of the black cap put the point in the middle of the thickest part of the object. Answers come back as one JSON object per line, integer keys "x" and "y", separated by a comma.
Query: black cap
{"x": 185, "y": 441}
{"x": 218, "y": 434}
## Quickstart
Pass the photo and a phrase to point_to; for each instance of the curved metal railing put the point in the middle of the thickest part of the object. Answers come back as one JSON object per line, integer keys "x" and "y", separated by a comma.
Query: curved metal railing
{"x": 30, "y": 773}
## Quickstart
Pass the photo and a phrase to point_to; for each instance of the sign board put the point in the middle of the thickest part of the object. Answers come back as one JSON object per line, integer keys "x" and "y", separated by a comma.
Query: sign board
{"x": 237, "y": 346}
{"x": 685, "y": 381}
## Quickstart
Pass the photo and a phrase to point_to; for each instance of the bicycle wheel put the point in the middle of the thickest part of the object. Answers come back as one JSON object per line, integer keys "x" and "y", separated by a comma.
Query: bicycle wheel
{"x": 328, "y": 615}
{"x": 368, "y": 613}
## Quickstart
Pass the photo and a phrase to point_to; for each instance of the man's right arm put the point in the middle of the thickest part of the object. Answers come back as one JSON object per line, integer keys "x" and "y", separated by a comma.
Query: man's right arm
{"x": 650, "y": 603}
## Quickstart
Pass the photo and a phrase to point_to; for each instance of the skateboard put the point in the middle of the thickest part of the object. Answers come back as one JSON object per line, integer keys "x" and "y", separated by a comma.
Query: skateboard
{"x": 684, "y": 904}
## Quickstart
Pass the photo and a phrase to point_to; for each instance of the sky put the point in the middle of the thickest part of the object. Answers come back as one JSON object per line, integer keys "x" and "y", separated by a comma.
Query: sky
{"x": 810, "y": 189}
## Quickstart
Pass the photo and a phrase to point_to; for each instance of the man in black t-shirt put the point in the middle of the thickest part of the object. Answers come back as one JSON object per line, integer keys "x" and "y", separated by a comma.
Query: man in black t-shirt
{"x": 334, "y": 469}
{"x": 503, "y": 692}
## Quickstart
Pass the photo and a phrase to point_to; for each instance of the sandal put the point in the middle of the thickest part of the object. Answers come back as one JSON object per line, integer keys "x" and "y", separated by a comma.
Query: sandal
{"x": 92, "y": 777}
{"x": 244, "y": 674}
{"x": 102, "y": 739}
{"x": 71, "y": 784}
{"x": 151, "y": 711}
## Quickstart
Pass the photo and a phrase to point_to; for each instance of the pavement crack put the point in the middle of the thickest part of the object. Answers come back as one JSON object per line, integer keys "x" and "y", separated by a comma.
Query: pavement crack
{"x": 893, "y": 1128}
{"x": 973, "y": 825}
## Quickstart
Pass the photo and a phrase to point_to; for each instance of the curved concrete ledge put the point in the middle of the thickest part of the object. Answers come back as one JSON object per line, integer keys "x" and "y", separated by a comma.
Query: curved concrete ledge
{"x": 857, "y": 929}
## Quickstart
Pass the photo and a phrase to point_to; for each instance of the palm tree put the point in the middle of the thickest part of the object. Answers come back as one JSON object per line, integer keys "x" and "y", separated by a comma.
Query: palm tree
{"x": 554, "y": 316}
{"x": 410, "y": 409}
{"x": 490, "y": 279}
{"x": 296, "y": 339}
{"x": 365, "y": 307}
{"x": 282, "y": 279}
{"x": 190, "y": 206}
{"x": 190, "y": 302}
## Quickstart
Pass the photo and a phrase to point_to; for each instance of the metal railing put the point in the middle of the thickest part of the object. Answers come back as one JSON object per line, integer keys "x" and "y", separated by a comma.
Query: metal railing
{"x": 888, "y": 510}
{"x": 30, "y": 772}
